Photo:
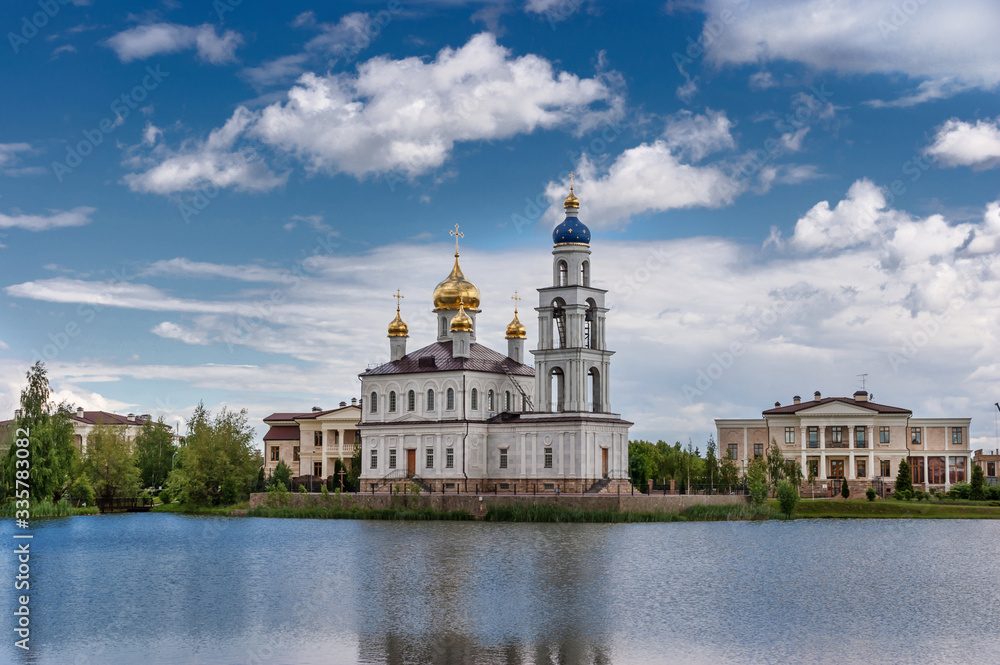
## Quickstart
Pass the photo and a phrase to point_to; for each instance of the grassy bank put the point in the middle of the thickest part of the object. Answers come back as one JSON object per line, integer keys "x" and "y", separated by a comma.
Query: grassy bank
{"x": 48, "y": 508}
{"x": 554, "y": 513}
{"x": 891, "y": 508}
{"x": 185, "y": 509}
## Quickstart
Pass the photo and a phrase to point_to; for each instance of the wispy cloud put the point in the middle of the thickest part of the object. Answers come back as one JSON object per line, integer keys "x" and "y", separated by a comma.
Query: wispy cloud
{"x": 145, "y": 41}
{"x": 54, "y": 220}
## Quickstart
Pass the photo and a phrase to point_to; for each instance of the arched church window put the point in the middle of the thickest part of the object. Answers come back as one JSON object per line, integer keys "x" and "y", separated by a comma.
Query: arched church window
{"x": 392, "y": 401}
{"x": 411, "y": 401}
{"x": 506, "y": 400}
{"x": 585, "y": 273}
{"x": 451, "y": 399}
{"x": 475, "y": 399}
{"x": 563, "y": 273}
{"x": 556, "y": 389}
{"x": 373, "y": 408}
{"x": 430, "y": 399}
{"x": 490, "y": 402}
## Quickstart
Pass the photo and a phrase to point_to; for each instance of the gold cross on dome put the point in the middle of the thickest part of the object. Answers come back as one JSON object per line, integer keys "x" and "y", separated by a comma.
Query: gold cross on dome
{"x": 458, "y": 234}
{"x": 516, "y": 300}
{"x": 571, "y": 180}
{"x": 398, "y": 296}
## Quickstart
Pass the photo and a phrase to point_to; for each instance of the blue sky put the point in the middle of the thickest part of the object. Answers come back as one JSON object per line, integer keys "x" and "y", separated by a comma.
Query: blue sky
{"x": 216, "y": 201}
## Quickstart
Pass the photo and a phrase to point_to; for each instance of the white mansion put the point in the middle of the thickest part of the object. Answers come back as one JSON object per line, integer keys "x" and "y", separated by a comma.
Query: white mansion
{"x": 854, "y": 439}
{"x": 456, "y": 414}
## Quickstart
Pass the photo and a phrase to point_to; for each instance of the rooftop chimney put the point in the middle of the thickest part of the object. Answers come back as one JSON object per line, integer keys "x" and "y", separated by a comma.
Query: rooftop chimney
{"x": 79, "y": 412}
{"x": 817, "y": 396}
{"x": 343, "y": 404}
{"x": 131, "y": 417}
{"x": 354, "y": 401}
{"x": 796, "y": 400}
{"x": 861, "y": 396}
{"x": 18, "y": 413}
{"x": 777, "y": 404}
{"x": 316, "y": 408}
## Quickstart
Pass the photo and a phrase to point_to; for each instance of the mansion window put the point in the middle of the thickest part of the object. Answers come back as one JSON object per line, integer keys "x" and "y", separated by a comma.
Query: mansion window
{"x": 883, "y": 434}
{"x": 956, "y": 469}
{"x": 956, "y": 436}
{"x": 392, "y": 458}
{"x": 733, "y": 450}
{"x": 506, "y": 401}
{"x": 490, "y": 403}
{"x": 916, "y": 436}
{"x": 991, "y": 468}
{"x": 392, "y": 401}
{"x": 295, "y": 454}
{"x": 813, "y": 468}
{"x": 917, "y": 469}
{"x": 475, "y": 399}
{"x": 411, "y": 401}
{"x": 884, "y": 470}
{"x": 548, "y": 458}
{"x": 837, "y": 434}
{"x": 373, "y": 407}
{"x": 318, "y": 439}
{"x": 935, "y": 470}
{"x": 450, "y": 405}
{"x": 814, "y": 437}
{"x": 449, "y": 458}
{"x": 859, "y": 437}
{"x": 275, "y": 452}
{"x": 430, "y": 458}
{"x": 374, "y": 458}
{"x": 862, "y": 466}
{"x": 758, "y": 450}
{"x": 789, "y": 435}
{"x": 503, "y": 458}
{"x": 430, "y": 399}
{"x": 318, "y": 469}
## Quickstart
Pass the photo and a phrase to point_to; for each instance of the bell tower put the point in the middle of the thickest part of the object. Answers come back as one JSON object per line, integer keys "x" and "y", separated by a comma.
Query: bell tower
{"x": 572, "y": 361}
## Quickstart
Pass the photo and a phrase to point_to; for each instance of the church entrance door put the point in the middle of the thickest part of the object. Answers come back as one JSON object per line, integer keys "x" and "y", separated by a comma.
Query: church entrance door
{"x": 411, "y": 463}
{"x": 604, "y": 462}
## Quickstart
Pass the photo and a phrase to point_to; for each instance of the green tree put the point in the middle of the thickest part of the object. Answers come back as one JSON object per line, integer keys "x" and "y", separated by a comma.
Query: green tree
{"x": 976, "y": 492}
{"x": 217, "y": 463}
{"x": 52, "y": 454}
{"x": 775, "y": 464}
{"x": 757, "y": 480}
{"x": 729, "y": 474}
{"x": 711, "y": 466}
{"x": 109, "y": 464}
{"x": 788, "y": 497}
{"x": 642, "y": 463}
{"x": 793, "y": 471}
{"x": 154, "y": 451}
{"x": 904, "y": 481}
{"x": 281, "y": 474}
{"x": 81, "y": 493}
{"x": 845, "y": 490}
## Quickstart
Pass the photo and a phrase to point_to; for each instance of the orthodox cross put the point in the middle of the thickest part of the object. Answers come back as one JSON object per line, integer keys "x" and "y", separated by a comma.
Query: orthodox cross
{"x": 398, "y": 296}
{"x": 516, "y": 300}
{"x": 571, "y": 180}
{"x": 458, "y": 234}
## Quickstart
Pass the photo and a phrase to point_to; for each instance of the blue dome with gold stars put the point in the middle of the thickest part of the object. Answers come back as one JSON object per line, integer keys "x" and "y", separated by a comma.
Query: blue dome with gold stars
{"x": 571, "y": 232}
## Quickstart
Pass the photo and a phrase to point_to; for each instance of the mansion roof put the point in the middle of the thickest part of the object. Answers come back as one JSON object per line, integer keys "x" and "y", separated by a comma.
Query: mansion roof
{"x": 282, "y": 433}
{"x": 437, "y": 357}
{"x": 872, "y": 406}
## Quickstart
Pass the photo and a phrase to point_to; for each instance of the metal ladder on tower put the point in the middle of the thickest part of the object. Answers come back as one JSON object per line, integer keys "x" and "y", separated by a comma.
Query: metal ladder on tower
{"x": 524, "y": 395}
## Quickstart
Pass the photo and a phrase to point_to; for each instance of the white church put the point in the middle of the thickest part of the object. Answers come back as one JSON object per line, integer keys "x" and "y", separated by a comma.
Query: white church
{"x": 456, "y": 415}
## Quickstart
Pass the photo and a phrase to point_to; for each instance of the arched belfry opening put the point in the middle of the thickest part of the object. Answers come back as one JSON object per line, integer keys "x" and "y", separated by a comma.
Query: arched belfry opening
{"x": 558, "y": 323}
{"x": 557, "y": 389}
{"x": 562, "y": 278}
{"x": 594, "y": 390}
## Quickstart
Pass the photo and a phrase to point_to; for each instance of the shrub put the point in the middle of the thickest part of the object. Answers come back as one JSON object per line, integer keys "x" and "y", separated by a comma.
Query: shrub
{"x": 165, "y": 496}
{"x": 976, "y": 490}
{"x": 277, "y": 495}
{"x": 903, "y": 495}
{"x": 920, "y": 495}
{"x": 870, "y": 493}
{"x": 845, "y": 490}
{"x": 960, "y": 491}
{"x": 788, "y": 497}
{"x": 81, "y": 492}
{"x": 324, "y": 491}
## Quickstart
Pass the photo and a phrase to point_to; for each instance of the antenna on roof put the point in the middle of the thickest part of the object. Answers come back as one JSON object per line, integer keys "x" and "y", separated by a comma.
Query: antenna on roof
{"x": 864, "y": 379}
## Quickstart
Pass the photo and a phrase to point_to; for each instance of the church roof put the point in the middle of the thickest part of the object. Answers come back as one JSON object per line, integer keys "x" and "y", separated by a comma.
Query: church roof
{"x": 437, "y": 357}
{"x": 795, "y": 408}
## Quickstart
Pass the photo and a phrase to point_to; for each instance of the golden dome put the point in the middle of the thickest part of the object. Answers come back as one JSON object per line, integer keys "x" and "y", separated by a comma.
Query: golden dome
{"x": 455, "y": 291}
{"x": 515, "y": 328}
{"x": 461, "y": 321}
{"x": 398, "y": 328}
{"x": 571, "y": 200}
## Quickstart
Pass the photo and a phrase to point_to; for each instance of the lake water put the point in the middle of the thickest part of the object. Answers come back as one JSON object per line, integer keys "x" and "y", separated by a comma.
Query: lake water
{"x": 165, "y": 589}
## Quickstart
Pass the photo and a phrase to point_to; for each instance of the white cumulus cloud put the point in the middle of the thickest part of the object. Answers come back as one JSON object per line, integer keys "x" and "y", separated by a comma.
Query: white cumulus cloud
{"x": 960, "y": 143}
{"x": 145, "y": 41}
